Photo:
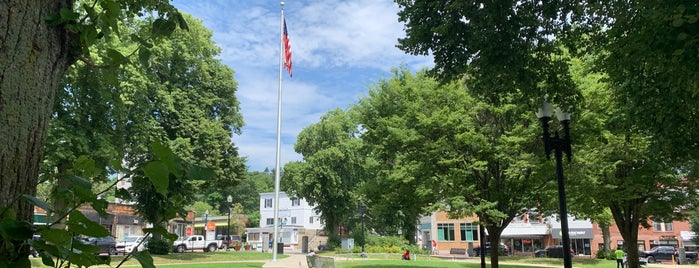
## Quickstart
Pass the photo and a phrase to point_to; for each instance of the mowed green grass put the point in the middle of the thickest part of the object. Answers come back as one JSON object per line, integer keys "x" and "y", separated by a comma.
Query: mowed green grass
{"x": 257, "y": 260}
{"x": 393, "y": 260}
{"x": 194, "y": 259}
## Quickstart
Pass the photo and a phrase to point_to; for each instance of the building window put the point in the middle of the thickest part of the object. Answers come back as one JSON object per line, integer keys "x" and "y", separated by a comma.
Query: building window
{"x": 293, "y": 220}
{"x": 295, "y": 202}
{"x": 469, "y": 231}
{"x": 445, "y": 231}
{"x": 253, "y": 236}
{"x": 310, "y": 219}
{"x": 662, "y": 226}
{"x": 270, "y": 221}
{"x": 268, "y": 203}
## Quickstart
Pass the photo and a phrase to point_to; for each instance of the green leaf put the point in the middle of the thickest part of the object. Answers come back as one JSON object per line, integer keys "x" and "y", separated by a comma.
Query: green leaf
{"x": 37, "y": 202}
{"x": 123, "y": 194}
{"x": 57, "y": 236}
{"x": 15, "y": 230}
{"x": 181, "y": 21}
{"x": 68, "y": 15}
{"x": 78, "y": 223}
{"x": 144, "y": 259}
{"x": 200, "y": 173}
{"x": 144, "y": 56}
{"x": 47, "y": 259}
{"x": 100, "y": 205}
{"x": 164, "y": 153}
{"x": 115, "y": 56}
{"x": 81, "y": 187}
{"x": 87, "y": 167}
{"x": 163, "y": 27}
{"x": 7, "y": 213}
{"x": 141, "y": 41}
{"x": 159, "y": 175}
{"x": 22, "y": 263}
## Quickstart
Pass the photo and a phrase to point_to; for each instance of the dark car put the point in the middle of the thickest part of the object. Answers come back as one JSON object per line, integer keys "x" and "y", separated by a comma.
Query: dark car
{"x": 540, "y": 253}
{"x": 105, "y": 244}
{"x": 552, "y": 252}
{"x": 666, "y": 253}
{"x": 504, "y": 250}
{"x": 323, "y": 246}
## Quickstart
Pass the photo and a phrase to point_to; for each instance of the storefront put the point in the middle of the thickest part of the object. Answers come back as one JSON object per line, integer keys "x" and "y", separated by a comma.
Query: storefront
{"x": 524, "y": 238}
{"x": 688, "y": 240}
{"x": 580, "y": 239}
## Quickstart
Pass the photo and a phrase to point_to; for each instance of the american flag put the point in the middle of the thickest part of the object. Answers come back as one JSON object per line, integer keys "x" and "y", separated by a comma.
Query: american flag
{"x": 287, "y": 51}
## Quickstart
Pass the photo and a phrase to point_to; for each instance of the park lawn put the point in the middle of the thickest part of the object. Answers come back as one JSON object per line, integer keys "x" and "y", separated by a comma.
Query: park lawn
{"x": 393, "y": 260}
{"x": 216, "y": 259}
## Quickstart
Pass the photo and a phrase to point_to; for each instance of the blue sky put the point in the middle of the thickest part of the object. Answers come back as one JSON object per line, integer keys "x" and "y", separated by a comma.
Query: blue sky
{"x": 340, "y": 50}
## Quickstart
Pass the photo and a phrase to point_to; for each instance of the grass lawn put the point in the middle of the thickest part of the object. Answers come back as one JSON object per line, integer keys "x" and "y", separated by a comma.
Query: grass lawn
{"x": 393, "y": 260}
{"x": 195, "y": 259}
{"x": 257, "y": 259}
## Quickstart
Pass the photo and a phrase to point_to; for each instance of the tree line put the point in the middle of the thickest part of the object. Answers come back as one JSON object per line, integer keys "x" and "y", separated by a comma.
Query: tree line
{"x": 167, "y": 112}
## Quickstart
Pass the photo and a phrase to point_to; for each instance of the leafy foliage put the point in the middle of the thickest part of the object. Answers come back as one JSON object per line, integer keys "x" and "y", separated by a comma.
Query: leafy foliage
{"x": 619, "y": 168}
{"x": 499, "y": 47}
{"x": 332, "y": 170}
{"x": 159, "y": 246}
{"x": 438, "y": 145}
{"x": 648, "y": 49}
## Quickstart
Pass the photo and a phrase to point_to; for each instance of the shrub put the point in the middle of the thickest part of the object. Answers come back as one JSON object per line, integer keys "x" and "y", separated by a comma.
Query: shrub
{"x": 385, "y": 241}
{"x": 159, "y": 246}
{"x": 606, "y": 254}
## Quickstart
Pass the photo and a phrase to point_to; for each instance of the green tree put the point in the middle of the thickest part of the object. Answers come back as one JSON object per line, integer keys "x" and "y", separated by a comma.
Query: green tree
{"x": 439, "y": 144}
{"x": 648, "y": 49}
{"x": 184, "y": 95}
{"x": 33, "y": 60}
{"x": 332, "y": 169}
{"x": 622, "y": 170}
{"x": 500, "y": 46}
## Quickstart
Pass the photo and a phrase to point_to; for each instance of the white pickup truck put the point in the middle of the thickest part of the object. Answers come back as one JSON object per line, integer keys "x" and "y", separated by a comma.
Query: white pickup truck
{"x": 195, "y": 242}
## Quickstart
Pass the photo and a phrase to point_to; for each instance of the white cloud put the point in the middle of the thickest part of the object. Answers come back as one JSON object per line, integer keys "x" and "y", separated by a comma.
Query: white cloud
{"x": 339, "y": 48}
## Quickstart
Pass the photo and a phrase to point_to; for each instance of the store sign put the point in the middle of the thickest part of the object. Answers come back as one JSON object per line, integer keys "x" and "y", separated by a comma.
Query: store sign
{"x": 573, "y": 233}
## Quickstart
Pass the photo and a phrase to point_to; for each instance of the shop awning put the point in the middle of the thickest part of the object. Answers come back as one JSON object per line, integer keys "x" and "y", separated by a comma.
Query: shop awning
{"x": 574, "y": 233}
{"x": 688, "y": 238}
{"x": 515, "y": 230}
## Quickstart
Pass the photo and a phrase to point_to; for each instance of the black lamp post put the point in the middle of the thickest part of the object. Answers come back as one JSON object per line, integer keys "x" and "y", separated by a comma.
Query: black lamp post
{"x": 559, "y": 146}
{"x": 362, "y": 211}
{"x": 229, "y": 200}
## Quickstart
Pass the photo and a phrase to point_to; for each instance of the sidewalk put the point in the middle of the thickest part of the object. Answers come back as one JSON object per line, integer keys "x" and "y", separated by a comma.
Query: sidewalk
{"x": 293, "y": 261}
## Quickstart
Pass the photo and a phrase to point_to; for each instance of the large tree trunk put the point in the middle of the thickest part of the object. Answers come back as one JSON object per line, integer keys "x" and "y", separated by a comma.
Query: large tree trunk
{"x": 606, "y": 236}
{"x": 627, "y": 216}
{"x": 33, "y": 58}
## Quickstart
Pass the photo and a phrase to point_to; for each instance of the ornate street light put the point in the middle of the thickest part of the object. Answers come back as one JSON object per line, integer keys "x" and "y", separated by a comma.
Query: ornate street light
{"x": 362, "y": 212}
{"x": 229, "y": 201}
{"x": 559, "y": 146}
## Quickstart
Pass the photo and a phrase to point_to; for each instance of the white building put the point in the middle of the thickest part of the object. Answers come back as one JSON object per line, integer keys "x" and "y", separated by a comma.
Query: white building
{"x": 297, "y": 219}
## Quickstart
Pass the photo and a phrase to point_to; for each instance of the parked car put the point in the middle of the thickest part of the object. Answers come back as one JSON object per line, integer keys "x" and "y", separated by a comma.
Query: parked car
{"x": 129, "y": 243}
{"x": 229, "y": 241}
{"x": 540, "y": 253}
{"x": 552, "y": 252}
{"x": 195, "y": 242}
{"x": 323, "y": 246}
{"x": 665, "y": 253}
{"x": 32, "y": 251}
{"x": 105, "y": 244}
{"x": 504, "y": 250}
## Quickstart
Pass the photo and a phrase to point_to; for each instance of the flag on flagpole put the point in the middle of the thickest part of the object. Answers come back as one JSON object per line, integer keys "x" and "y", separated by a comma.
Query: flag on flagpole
{"x": 287, "y": 51}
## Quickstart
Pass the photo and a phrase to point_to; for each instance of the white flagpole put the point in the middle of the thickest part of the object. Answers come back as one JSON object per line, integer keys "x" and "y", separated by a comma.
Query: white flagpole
{"x": 279, "y": 137}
